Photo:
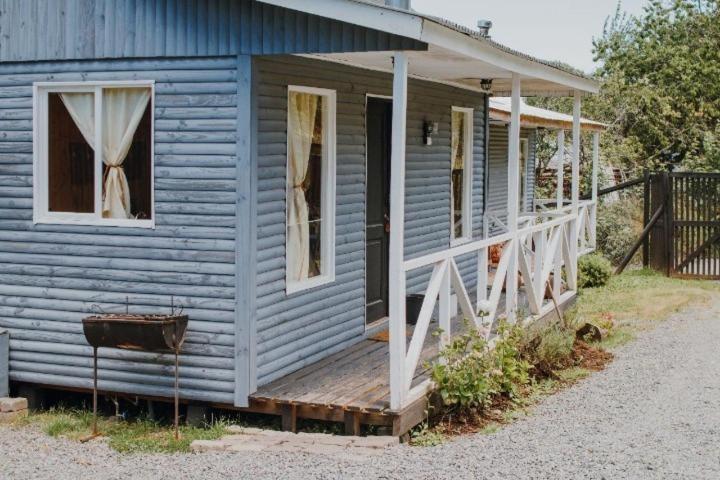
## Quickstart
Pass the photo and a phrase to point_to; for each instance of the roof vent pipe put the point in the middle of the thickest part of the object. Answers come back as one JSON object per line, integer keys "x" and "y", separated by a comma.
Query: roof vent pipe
{"x": 484, "y": 27}
{"x": 404, "y": 4}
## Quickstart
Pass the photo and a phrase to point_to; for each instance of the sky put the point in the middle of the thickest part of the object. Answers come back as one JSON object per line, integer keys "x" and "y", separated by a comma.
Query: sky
{"x": 548, "y": 29}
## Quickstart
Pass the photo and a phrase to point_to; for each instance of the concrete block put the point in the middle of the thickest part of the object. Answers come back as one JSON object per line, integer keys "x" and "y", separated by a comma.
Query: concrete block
{"x": 244, "y": 430}
{"x": 9, "y": 417}
{"x": 320, "y": 449}
{"x": 375, "y": 441}
{"x": 8, "y": 404}
{"x": 196, "y": 415}
{"x": 333, "y": 440}
{"x": 200, "y": 446}
{"x": 246, "y": 447}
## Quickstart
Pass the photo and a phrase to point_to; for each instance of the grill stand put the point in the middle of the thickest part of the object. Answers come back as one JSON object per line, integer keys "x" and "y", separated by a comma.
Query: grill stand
{"x": 95, "y": 432}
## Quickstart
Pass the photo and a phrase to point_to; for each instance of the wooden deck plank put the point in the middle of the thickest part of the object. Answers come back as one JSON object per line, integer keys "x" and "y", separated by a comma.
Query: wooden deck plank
{"x": 333, "y": 377}
{"x": 305, "y": 374}
{"x": 362, "y": 373}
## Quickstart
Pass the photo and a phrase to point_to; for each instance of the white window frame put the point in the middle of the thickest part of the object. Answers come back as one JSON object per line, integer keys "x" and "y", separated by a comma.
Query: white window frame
{"x": 41, "y": 129}
{"x": 327, "y": 208}
{"x": 522, "y": 178}
{"x": 467, "y": 179}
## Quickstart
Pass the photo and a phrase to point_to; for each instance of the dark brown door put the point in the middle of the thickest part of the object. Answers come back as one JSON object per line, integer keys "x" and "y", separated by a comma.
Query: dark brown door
{"x": 377, "y": 207}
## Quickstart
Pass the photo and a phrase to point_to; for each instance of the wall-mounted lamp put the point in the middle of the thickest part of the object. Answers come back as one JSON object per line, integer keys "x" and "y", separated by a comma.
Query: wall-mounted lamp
{"x": 429, "y": 129}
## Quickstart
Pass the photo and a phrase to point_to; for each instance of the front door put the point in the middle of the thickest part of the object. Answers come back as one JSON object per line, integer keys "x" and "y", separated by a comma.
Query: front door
{"x": 377, "y": 207}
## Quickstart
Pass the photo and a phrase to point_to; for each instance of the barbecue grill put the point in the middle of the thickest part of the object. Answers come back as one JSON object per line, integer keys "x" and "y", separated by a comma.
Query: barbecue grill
{"x": 149, "y": 333}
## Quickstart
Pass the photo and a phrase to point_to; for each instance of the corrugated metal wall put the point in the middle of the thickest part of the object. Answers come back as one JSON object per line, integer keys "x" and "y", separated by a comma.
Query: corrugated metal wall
{"x": 51, "y": 276}
{"x": 498, "y": 163}
{"x": 304, "y": 327}
{"x": 88, "y": 29}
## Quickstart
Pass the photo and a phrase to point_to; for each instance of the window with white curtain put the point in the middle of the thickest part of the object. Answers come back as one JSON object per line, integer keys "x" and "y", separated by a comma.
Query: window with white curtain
{"x": 310, "y": 188}
{"x": 93, "y": 153}
{"x": 461, "y": 146}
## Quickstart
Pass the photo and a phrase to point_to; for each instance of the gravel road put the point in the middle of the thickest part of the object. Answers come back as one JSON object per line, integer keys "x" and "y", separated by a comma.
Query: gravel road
{"x": 653, "y": 413}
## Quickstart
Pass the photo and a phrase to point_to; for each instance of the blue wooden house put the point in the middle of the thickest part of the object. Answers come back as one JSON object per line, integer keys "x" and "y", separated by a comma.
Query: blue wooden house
{"x": 288, "y": 171}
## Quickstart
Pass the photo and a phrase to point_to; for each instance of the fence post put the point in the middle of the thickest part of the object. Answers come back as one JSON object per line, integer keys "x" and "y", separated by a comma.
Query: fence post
{"x": 646, "y": 217}
{"x": 669, "y": 237}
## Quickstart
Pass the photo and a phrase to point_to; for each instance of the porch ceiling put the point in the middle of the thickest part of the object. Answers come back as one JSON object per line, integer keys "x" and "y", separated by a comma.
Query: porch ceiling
{"x": 455, "y": 54}
{"x": 446, "y": 66}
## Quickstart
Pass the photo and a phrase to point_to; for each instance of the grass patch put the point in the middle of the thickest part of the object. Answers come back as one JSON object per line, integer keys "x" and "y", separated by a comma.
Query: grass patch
{"x": 635, "y": 298}
{"x": 426, "y": 437}
{"x": 134, "y": 436}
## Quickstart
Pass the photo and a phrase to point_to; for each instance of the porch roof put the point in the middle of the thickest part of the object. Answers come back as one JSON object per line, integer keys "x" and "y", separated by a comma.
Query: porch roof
{"x": 500, "y": 109}
{"x": 455, "y": 54}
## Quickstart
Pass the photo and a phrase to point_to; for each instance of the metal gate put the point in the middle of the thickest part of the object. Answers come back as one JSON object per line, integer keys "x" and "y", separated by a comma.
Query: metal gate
{"x": 685, "y": 239}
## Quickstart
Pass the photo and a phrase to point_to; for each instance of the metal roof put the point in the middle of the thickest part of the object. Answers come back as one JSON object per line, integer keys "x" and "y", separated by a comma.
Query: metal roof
{"x": 500, "y": 108}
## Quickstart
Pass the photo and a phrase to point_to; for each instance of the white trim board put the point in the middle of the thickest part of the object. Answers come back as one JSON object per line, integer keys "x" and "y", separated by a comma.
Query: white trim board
{"x": 419, "y": 27}
{"x": 41, "y": 213}
{"x": 327, "y": 245}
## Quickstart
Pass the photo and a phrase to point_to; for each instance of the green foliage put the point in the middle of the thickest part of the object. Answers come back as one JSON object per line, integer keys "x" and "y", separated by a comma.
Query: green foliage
{"x": 548, "y": 348}
{"x": 593, "y": 271}
{"x": 619, "y": 225}
{"x": 660, "y": 74}
{"x": 424, "y": 436}
{"x": 471, "y": 373}
{"x": 508, "y": 362}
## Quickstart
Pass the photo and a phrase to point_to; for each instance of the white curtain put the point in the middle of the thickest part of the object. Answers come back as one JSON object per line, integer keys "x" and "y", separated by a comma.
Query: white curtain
{"x": 458, "y": 140}
{"x": 301, "y": 125}
{"x": 81, "y": 107}
{"x": 123, "y": 108}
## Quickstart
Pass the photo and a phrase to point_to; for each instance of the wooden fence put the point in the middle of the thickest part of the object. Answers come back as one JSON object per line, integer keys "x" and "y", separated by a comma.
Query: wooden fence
{"x": 685, "y": 241}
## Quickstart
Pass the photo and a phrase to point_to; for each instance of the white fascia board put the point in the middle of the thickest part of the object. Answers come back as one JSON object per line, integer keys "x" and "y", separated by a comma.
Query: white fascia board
{"x": 436, "y": 34}
{"x": 413, "y": 26}
{"x": 365, "y": 15}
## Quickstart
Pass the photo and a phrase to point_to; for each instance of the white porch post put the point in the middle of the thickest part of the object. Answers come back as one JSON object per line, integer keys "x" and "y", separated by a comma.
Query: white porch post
{"x": 559, "y": 197}
{"x": 512, "y": 205}
{"x": 397, "y": 223}
{"x": 561, "y": 165}
{"x": 572, "y": 279}
{"x": 593, "y": 208}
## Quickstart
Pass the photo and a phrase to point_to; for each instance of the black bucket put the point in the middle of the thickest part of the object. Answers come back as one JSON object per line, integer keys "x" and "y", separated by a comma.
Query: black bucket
{"x": 413, "y": 304}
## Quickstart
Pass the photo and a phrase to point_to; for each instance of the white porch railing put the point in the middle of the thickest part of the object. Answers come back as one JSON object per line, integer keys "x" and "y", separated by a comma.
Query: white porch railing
{"x": 543, "y": 249}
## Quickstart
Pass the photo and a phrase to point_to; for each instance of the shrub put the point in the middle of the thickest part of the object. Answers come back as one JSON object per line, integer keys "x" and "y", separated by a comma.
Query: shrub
{"x": 619, "y": 225}
{"x": 593, "y": 271}
{"x": 471, "y": 373}
{"x": 549, "y": 348}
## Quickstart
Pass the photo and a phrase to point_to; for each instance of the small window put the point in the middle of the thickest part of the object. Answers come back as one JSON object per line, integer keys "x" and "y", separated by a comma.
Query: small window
{"x": 524, "y": 152}
{"x": 310, "y": 208}
{"x": 461, "y": 179}
{"x": 75, "y": 182}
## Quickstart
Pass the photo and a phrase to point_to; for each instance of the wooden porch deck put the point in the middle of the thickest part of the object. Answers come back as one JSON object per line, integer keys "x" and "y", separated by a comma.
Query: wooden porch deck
{"x": 351, "y": 386}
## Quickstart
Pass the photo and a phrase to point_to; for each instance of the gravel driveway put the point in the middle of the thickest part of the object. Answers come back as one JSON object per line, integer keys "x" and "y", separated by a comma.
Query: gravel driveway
{"x": 654, "y": 413}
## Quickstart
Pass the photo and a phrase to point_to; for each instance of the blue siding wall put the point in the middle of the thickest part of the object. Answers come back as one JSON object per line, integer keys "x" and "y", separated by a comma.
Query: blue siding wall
{"x": 89, "y": 29}
{"x": 51, "y": 276}
{"x": 301, "y": 328}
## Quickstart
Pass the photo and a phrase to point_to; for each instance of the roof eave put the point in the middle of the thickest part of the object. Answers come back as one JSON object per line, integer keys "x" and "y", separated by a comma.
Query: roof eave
{"x": 437, "y": 34}
{"x": 424, "y": 29}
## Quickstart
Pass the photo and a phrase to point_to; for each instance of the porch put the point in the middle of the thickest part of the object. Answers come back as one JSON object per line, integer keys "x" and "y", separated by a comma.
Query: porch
{"x": 354, "y": 386}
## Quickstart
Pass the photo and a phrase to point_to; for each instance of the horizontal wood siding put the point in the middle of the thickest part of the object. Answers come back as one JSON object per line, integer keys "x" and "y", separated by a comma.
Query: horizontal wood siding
{"x": 90, "y": 29}
{"x": 498, "y": 163}
{"x": 296, "y": 330}
{"x": 51, "y": 276}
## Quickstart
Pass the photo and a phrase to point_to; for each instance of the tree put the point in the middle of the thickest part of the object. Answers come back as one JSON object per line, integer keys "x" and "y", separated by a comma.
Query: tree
{"x": 661, "y": 86}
